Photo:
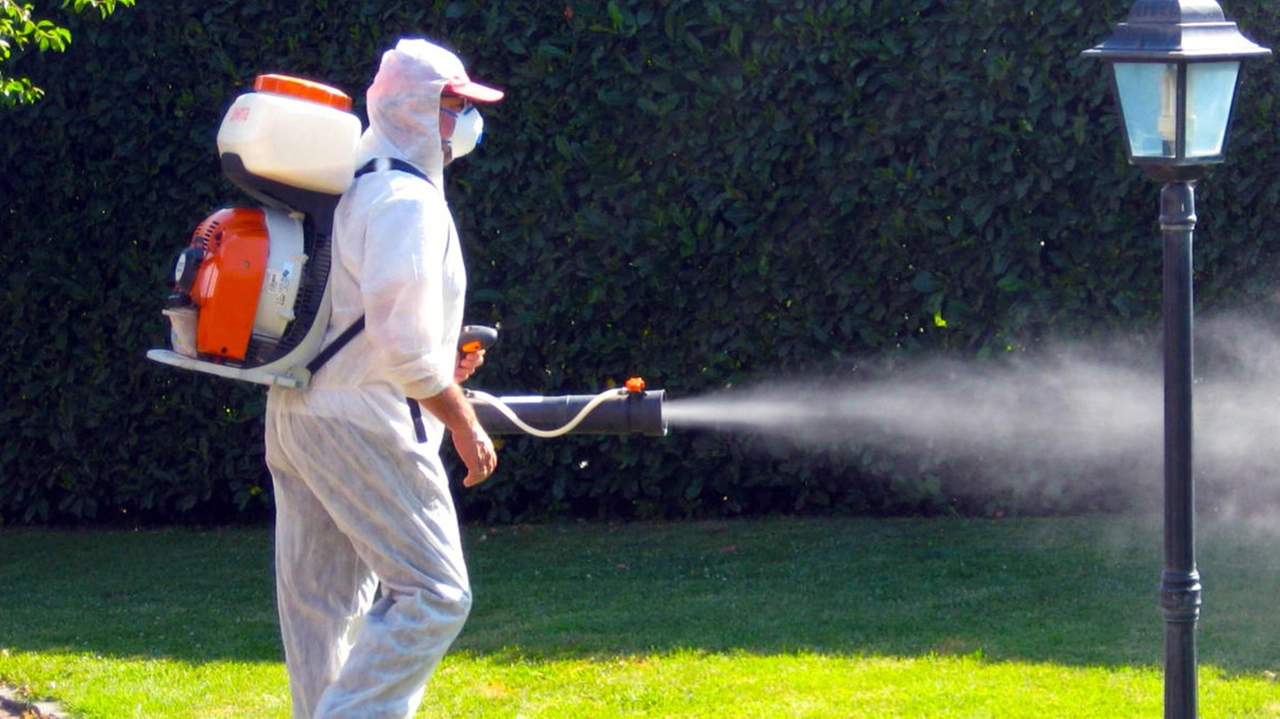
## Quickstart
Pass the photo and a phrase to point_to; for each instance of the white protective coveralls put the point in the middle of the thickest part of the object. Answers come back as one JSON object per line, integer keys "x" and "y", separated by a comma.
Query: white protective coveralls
{"x": 359, "y": 500}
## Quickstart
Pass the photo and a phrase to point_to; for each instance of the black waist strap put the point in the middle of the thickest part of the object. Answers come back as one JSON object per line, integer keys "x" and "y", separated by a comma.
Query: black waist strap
{"x": 415, "y": 410}
{"x": 338, "y": 343}
{"x": 415, "y": 413}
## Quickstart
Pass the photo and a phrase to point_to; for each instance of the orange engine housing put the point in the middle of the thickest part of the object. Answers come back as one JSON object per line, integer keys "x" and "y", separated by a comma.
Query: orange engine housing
{"x": 229, "y": 282}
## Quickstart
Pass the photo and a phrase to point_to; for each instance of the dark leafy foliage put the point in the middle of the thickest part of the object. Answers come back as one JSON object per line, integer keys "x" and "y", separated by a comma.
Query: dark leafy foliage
{"x": 703, "y": 193}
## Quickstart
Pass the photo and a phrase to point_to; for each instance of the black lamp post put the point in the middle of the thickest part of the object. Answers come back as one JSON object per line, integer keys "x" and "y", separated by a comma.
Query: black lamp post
{"x": 1176, "y": 65}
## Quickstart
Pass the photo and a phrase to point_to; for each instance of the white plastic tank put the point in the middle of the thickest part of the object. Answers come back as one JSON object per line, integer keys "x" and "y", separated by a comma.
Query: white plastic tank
{"x": 293, "y": 131}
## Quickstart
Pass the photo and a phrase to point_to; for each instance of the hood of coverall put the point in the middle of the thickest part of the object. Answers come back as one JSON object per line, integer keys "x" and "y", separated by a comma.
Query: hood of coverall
{"x": 404, "y": 105}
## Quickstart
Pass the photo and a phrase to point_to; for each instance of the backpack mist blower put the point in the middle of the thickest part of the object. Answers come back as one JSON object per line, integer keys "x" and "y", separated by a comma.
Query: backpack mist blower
{"x": 250, "y": 298}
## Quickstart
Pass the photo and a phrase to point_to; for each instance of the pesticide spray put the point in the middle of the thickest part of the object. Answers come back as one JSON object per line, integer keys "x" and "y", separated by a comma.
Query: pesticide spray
{"x": 1065, "y": 414}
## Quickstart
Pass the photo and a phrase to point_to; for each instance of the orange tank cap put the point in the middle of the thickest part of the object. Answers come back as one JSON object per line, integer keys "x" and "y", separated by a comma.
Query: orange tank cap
{"x": 303, "y": 90}
{"x": 635, "y": 384}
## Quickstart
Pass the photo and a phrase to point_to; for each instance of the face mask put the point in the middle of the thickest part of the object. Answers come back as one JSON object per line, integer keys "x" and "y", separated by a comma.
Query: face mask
{"x": 468, "y": 128}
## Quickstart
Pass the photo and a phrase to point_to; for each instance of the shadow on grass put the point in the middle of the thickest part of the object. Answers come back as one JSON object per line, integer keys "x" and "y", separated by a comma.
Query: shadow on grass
{"x": 1076, "y": 591}
{"x": 189, "y": 595}
{"x": 1067, "y": 591}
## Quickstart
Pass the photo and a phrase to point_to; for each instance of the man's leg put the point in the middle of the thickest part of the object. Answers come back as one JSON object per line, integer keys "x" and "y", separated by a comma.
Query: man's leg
{"x": 323, "y": 588}
{"x": 391, "y": 500}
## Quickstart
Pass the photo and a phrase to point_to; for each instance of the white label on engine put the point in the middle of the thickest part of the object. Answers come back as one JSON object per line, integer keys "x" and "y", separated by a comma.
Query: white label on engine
{"x": 276, "y": 283}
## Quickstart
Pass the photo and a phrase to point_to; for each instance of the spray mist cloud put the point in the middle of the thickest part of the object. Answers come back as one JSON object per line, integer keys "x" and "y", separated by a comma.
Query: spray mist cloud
{"x": 1070, "y": 409}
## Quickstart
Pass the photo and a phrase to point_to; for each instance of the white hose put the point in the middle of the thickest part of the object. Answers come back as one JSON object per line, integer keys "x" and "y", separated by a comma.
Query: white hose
{"x": 507, "y": 412}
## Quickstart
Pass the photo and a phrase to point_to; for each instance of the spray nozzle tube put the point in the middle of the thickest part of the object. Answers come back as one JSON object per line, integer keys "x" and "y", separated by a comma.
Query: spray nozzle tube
{"x": 632, "y": 410}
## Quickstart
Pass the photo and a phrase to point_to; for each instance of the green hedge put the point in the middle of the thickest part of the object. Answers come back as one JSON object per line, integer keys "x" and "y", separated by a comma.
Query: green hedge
{"x": 708, "y": 194}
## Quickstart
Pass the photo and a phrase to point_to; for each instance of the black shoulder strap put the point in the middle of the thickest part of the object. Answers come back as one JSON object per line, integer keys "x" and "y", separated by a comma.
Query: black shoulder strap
{"x": 394, "y": 163}
{"x": 415, "y": 411}
{"x": 349, "y": 333}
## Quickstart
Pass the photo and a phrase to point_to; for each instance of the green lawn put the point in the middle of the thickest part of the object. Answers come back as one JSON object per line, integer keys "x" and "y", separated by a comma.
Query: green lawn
{"x": 768, "y": 618}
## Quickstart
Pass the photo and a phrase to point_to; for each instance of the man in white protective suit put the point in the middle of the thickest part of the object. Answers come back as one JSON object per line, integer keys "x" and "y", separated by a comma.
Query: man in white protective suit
{"x": 363, "y": 508}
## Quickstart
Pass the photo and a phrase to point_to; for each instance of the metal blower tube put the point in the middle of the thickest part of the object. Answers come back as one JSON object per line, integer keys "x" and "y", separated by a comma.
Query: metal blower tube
{"x": 626, "y": 413}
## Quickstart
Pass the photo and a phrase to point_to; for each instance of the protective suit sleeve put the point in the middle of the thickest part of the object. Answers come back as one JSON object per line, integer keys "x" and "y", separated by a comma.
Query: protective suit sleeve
{"x": 403, "y": 285}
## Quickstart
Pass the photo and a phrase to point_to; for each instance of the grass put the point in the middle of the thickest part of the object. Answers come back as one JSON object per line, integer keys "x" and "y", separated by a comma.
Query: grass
{"x": 770, "y": 618}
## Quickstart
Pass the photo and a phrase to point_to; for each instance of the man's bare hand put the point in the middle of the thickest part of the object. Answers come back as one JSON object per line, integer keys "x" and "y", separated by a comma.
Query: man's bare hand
{"x": 467, "y": 365}
{"x": 477, "y": 452}
{"x": 474, "y": 447}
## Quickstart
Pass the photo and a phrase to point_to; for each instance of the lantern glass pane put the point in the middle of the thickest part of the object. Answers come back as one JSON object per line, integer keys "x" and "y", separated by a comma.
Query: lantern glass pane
{"x": 1210, "y": 88}
{"x": 1148, "y": 93}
